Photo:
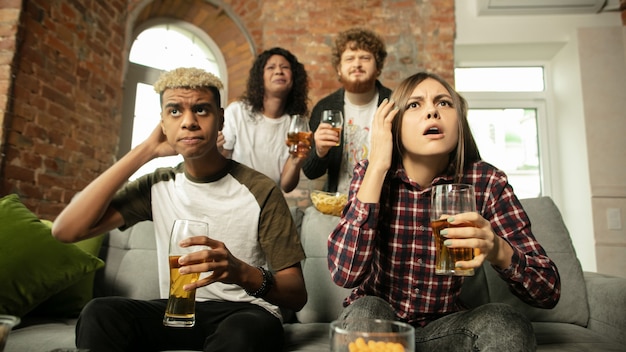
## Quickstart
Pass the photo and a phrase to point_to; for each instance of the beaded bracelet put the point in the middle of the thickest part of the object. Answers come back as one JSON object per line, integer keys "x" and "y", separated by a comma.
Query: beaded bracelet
{"x": 268, "y": 282}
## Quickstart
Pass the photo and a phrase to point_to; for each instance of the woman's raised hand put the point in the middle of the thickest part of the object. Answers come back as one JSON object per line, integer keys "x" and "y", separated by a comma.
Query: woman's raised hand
{"x": 381, "y": 144}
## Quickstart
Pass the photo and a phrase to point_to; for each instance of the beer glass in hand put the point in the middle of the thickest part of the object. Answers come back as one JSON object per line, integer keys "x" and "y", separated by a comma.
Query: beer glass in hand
{"x": 335, "y": 119}
{"x": 299, "y": 136}
{"x": 446, "y": 201}
{"x": 181, "y": 305}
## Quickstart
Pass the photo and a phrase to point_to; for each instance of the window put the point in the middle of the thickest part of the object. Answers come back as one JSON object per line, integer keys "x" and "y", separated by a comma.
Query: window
{"x": 507, "y": 118}
{"x": 499, "y": 79}
{"x": 158, "y": 48}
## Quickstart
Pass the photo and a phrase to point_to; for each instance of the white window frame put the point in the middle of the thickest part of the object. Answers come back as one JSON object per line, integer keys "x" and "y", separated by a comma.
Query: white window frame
{"x": 523, "y": 100}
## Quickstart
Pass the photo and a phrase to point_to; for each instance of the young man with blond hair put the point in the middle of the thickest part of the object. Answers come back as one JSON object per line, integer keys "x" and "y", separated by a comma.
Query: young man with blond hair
{"x": 253, "y": 261}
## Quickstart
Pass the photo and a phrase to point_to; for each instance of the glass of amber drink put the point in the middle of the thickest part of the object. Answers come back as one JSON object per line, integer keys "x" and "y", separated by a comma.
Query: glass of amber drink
{"x": 181, "y": 305}
{"x": 335, "y": 119}
{"x": 299, "y": 136}
{"x": 446, "y": 201}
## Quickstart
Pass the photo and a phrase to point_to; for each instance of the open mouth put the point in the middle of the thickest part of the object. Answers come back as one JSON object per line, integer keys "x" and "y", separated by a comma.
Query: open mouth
{"x": 432, "y": 130}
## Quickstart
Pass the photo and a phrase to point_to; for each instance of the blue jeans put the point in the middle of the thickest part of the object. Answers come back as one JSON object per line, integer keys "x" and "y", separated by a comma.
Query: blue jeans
{"x": 120, "y": 324}
{"x": 491, "y": 327}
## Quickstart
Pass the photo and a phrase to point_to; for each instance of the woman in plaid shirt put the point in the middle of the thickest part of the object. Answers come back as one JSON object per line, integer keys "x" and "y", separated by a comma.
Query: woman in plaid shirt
{"x": 383, "y": 246}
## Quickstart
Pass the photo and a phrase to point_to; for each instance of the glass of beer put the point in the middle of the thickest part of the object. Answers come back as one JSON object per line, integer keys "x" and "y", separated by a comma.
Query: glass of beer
{"x": 181, "y": 305}
{"x": 299, "y": 136}
{"x": 446, "y": 201}
{"x": 335, "y": 119}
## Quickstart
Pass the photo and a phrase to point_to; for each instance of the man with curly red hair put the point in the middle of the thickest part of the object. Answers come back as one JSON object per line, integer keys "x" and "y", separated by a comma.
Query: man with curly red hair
{"x": 358, "y": 57}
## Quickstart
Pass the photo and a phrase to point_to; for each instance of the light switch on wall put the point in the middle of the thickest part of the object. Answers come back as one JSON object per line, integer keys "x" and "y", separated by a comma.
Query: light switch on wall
{"x": 614, "y": 218}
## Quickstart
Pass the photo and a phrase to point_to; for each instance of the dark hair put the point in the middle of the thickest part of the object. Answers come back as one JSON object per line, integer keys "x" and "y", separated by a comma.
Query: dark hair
{"x": 466, "y": 150}
{"x": 359, "y": 38}
{"x": 298, "y": 96}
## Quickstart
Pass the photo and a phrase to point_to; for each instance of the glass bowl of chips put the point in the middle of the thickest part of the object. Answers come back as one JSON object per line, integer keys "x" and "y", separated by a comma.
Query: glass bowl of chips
{"x": 371, "y": 335}
{"x": 329, "y": 203}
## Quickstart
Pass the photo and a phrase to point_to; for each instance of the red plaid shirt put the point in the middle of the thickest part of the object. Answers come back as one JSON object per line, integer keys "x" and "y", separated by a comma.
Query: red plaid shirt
{"x": 387, "y": 249}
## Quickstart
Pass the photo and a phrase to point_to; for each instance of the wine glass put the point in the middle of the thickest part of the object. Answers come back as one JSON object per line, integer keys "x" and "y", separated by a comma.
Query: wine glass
{"x": 335, "y": 119}
{"x": 299, "y": 136}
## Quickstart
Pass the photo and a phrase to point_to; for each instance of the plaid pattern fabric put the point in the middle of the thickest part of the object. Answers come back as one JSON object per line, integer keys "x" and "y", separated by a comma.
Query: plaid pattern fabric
{"x": 387, "y": 249}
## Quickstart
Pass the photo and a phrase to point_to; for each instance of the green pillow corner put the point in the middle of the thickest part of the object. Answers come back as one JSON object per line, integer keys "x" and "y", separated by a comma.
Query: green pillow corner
{"x": 70, "y": 301}
{"x": 34, "y": 266}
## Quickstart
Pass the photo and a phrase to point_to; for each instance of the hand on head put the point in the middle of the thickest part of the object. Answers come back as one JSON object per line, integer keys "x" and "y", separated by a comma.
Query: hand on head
{"x": 161, "y": 146}
{"x": 220, "y": 141}
{"x": 381, "y": 145}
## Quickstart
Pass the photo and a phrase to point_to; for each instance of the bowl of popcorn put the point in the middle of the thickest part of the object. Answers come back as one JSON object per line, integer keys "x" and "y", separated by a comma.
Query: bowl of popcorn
{"x": 329, "y": 203}
{"x": 371, "y": 335}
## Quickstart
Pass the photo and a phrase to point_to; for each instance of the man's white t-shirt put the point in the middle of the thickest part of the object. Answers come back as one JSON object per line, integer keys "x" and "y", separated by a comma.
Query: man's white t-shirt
{"x": 356, "y": 137}
{"x": 256, "y": 140}
{"x": 242, "y": 207}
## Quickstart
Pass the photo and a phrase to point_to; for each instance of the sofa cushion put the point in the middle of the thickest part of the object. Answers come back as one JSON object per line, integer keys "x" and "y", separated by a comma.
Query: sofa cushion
{"x": 551, "y": 232}
{"x": 33, "y": 264}
{"x": 325, "y": 297}
{"x": 131, "y": 263}
{"x": 70, "y": 301}
{"x": 562, "y": 337}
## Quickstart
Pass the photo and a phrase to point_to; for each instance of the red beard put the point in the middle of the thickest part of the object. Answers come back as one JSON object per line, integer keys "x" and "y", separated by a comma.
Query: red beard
{"x": 358, "y": 86}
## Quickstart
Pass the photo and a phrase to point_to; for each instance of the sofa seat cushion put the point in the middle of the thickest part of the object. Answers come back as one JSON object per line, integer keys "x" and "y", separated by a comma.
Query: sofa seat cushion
{"x": 565, "y": 337}
{"x": 311, "y": 337}
{"x": 38, "y": 334}
{"x": 325, "y": 298}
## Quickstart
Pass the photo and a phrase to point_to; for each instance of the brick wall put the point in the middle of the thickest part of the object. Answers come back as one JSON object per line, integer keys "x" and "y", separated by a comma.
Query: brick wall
{"x": 9, "y": 20}
{"x": 62, "y": 110}
{"x": 63, "y": 120}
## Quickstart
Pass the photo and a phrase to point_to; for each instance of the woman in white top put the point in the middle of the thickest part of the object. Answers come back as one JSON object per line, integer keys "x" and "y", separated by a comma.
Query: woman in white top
{"x": 255, "y": 127}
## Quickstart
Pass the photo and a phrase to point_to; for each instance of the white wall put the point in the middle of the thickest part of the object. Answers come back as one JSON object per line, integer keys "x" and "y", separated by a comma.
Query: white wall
{"x": 551, "y": 40}
{"x": 570, "y": 151}
{"x": 603, "y": 73}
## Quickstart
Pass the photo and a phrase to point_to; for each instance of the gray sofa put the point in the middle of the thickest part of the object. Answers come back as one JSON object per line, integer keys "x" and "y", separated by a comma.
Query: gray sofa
{"x": 591, "y": 315}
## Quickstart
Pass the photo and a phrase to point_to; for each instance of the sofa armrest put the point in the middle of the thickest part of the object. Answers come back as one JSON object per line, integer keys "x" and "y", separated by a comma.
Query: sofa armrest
{"x": 607, "y": 304}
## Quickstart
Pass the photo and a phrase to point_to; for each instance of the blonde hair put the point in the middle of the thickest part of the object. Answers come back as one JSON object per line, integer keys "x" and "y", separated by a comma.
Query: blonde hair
{"x": 187, "y": 77}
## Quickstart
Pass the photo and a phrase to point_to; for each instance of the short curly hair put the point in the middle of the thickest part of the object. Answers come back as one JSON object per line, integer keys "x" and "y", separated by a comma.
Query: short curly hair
{"x": 359, "y": 38}
{"x": 298, "y": 98}
{"x": 190, "y": 78}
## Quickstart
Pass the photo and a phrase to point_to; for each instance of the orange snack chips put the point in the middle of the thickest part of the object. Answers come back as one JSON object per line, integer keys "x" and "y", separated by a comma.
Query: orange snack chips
{"x": 359, "y": 345}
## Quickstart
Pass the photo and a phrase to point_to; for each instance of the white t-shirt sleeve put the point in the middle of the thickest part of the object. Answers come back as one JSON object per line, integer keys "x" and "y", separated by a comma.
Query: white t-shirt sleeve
{"x": 230, "y": 130}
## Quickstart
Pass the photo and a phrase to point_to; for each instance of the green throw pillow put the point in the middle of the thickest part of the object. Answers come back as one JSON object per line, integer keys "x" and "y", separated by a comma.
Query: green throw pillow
{"x": 33, "y": 264}
{"x": 70, "y": 301}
